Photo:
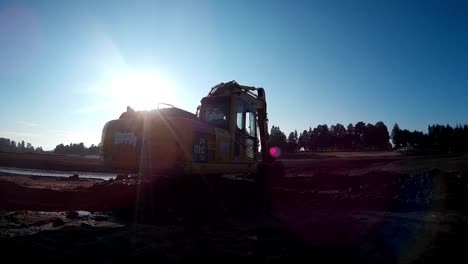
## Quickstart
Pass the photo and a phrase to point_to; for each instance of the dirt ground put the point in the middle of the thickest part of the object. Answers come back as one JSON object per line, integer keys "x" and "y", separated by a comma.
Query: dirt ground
{"x": 353, "y": 208}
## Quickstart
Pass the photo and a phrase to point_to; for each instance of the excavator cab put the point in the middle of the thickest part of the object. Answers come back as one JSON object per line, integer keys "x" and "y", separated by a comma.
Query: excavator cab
{"x": 239, "y": 111}
{"x": 238, "y": 118}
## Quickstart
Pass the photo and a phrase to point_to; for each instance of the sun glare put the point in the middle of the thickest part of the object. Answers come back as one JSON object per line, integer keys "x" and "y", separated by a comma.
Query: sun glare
{"x": 142, "y": 90}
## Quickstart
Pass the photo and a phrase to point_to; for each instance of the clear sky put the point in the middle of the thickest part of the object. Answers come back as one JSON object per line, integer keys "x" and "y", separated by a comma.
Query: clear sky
{"x": 66, "y": 67}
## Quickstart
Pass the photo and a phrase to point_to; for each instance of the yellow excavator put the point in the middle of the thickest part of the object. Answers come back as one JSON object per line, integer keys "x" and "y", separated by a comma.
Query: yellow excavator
{"x": 228, "y": 134}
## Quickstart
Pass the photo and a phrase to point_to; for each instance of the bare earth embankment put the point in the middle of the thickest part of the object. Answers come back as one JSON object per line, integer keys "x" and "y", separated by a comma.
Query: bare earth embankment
{"x": 353, "y": 207}
{"x": 58, "y": 162}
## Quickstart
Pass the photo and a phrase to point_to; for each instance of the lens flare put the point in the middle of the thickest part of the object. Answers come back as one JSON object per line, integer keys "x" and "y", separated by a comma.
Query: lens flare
{"x": 275, "y": 152}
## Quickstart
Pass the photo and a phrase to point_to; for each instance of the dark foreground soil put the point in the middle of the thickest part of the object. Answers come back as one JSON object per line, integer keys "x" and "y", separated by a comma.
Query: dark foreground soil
{"x": 379, "y": 210}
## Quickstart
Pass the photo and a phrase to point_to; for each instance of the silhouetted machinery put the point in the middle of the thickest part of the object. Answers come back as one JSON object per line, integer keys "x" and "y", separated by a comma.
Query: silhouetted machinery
{"x": 215, "y": 159}
{"x": 227, "y": 135}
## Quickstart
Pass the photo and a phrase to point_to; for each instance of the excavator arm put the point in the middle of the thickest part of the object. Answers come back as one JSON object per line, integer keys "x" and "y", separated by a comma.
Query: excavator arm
{"x": 262, "y": 120}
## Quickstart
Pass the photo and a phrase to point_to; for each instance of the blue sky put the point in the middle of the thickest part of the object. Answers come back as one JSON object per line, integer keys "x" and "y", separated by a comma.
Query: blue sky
{"x": 62, "y": 63}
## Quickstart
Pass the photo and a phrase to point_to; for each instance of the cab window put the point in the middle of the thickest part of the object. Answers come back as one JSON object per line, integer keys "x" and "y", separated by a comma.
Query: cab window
{"x": 240, "y": 115}
{"x": 215, "y": 111}
{"x": 250, "y": 128}
{"x": 246, "y": 128}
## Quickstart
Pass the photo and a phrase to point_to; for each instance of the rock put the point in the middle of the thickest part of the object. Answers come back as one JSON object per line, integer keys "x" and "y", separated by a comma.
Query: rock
{"x": 100, "y": 218}
{"x": 74, "y": 177}
{"x": 39, "y": 223}
{"x": 58, "y": 222}
{"x": 72, "y": 214}
{"x": 253, "y": 237}
{"x": 11, "y": 218}
{"x": 121, "y": 177}
{"x": 86, "y": 225}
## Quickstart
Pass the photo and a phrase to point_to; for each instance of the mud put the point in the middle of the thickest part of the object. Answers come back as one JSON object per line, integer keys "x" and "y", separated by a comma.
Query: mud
{"x": 392, "y": 210}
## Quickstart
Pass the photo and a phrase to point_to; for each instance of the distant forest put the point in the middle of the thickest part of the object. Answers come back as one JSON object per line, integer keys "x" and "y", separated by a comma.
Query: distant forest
{"x": 7, "y": 145}
{"x": 74, "y": 148}
{"x": 362, "y": 136}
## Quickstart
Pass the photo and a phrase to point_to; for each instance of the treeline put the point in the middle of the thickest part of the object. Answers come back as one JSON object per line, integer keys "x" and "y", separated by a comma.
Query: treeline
{"x": 7, "y": 145}
{"x": 79, "y": 148}
{"x": 438, "y": 138}
{"x": 360, "y": 136}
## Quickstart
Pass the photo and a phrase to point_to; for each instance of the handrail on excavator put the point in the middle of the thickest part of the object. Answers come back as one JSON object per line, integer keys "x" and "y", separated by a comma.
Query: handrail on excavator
{"x": 165, "y": 104}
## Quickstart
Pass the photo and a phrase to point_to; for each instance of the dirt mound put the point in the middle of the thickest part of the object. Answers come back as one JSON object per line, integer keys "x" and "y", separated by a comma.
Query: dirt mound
{"x": 164, "y": 199}
{"x": 431, "y": 189}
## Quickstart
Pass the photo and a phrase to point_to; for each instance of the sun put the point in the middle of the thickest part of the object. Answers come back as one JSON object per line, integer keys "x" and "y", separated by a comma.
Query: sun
{"x": 140, "y": 89}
